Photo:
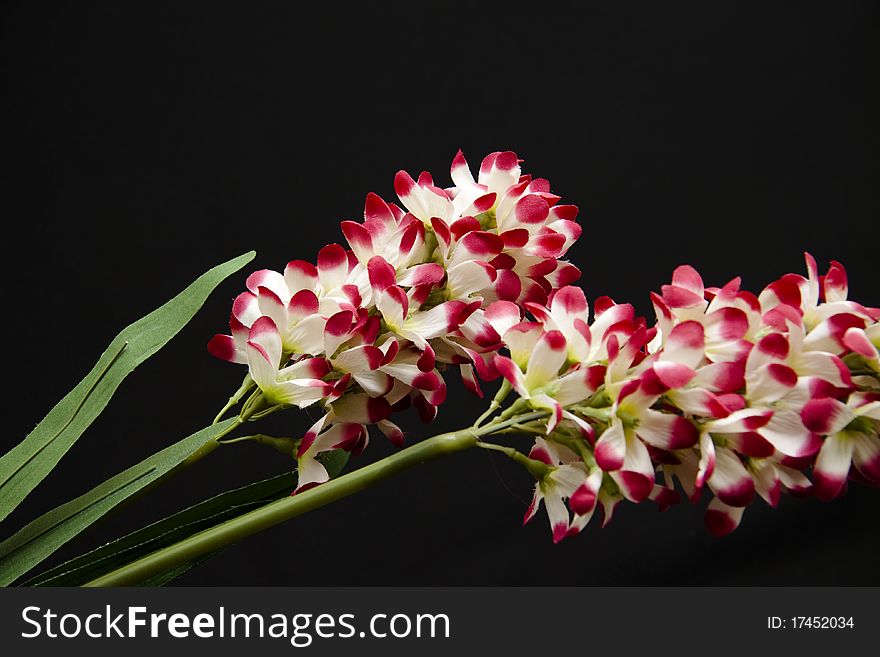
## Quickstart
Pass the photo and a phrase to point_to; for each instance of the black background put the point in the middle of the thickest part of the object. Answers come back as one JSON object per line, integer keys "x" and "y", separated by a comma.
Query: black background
{"x": 145, "y": 142}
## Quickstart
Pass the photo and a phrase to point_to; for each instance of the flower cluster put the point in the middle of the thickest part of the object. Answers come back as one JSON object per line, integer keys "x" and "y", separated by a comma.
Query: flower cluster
{"x": 739, "y": 394}
{"x": 365, "y": 331}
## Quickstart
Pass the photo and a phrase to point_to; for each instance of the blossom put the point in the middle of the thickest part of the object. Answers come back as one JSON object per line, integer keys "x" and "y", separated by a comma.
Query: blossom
{"x": 342, "y": 427}
{"x": 425, "y": 285}
{"x": 851, "y": 440}
{"x": 541, "y": 384}
{"x": 297, "y": 384}
{"x": 569, "y": 479}
{"x": 623, "y": 448}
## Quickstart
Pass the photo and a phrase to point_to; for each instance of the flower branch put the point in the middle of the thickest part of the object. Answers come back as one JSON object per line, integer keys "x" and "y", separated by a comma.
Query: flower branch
{"x": 727, "y": 393}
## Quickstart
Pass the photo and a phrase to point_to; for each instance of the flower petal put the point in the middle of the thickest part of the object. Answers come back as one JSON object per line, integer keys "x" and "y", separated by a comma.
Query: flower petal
{"x": 300, "y": 275}
{"x": 439, "y": 320}
{"x": 832, "y": 466}
{"x": 393, "y": 432}
{"x": 246, "y": 308}
{"x": 381, "y": 274}
{"x": 337, "y": 330}
{"x": 359, "y": 239}
{"x": 834, "y": 283}
{"x": 502, "y": 315}
{"x": 823, "y": 366}
{"x": 721, "y": 519}
{"x": 271, "y": 280}
{"x": 826, "y": 416}
{"x": 706, "y": 467}
{"x": 857, "y": 341}
{"x": 428, "y": 273}
{"x": 866, "y": 456}
{"x": 411, "y": 375}
{"x": 770, "y": 382}
{"x": 610, "y": 448}
{"x": 636, "y": 476}
{"x": 730, "y": 481}
{"x": 225, "y": 348}
{"x": 575, "y": 386}
{"x": 546, "y": 359}
{"x": 307, "y": 337}
{"x": 469, "y": 277}
{"x": 264, "y": 334}
{"x": 787, "y": 433}
{"x": 666, "y": 431}
{"x": 299, "y": 392}
{"x": 521, "y": 340}
{"x": 362, "y": 409}
{"x": 332, "y": 267}
{"x": 511, "y": 371}
{"x": 547, "y": 402}
{"x": 394, "y": 306}
{"x": 685, "y": 344}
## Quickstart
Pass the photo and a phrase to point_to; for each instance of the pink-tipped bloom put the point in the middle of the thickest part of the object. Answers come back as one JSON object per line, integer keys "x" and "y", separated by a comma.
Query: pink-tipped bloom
{"x": 297, "y": 384}
{"x": 851, "y": 440}
{"x": 541, "y": 383}
{"x": 568, "y": 481}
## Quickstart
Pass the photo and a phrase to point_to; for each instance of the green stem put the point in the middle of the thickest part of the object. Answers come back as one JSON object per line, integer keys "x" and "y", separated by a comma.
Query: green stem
{"x": 536, "y": 468}
{"x": 284, "y": 445}
{"x": 532, "y": 428}
{"x": 516, "y": 407}
{"x": 254, "y": 405}
{"x": 500, "y": 396}
{"x": 277, "y": 512}
{"x": 246, "y": 385}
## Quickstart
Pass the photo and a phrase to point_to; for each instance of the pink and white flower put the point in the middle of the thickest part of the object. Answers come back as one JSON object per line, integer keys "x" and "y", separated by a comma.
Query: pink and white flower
{"x": 541, "y": 384}
{"x": 297, "y": 384}
{"x": 569, "y": 480}
{"x": 851, "y": 440}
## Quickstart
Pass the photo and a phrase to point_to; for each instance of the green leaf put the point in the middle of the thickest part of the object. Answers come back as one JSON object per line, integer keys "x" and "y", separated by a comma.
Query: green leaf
{"x": 178, "y": 527}
{"x": 165, "y": 532}
{"x": 40, "y": 538}
{"x": 28, "y": 463}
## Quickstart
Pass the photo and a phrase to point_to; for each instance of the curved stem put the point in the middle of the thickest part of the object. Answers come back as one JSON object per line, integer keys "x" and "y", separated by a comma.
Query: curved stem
{"x": 518, "y": 406}
{"x": 277, "y": 512}
{"x": 499, "y": 397}
{"x": 246, "y": 386}
{"x": 536, "y": 468}
{"x": 284, "y": 445}
{"x": 255, "y": 404}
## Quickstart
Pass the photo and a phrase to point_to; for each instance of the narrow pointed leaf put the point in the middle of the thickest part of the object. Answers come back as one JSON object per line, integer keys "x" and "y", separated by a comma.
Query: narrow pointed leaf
{"x": 177, "y": 527}
{"x": 40, "y": 538}
{"x": 28, "y": 463}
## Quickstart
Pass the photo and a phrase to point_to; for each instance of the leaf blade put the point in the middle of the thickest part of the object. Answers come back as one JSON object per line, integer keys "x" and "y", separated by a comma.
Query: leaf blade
{"x": 24, "y": 466}
{"x": 177, "y": 527}
{"x": 40, "y": 538}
